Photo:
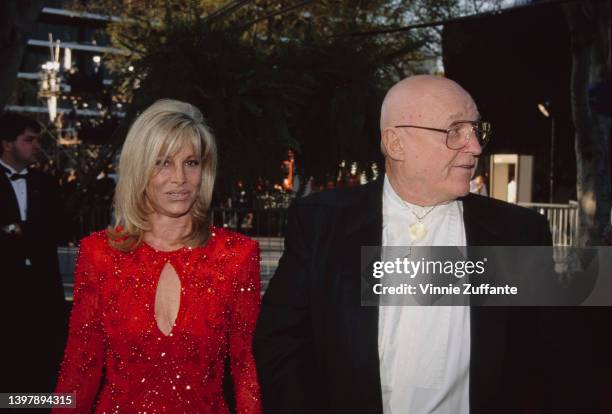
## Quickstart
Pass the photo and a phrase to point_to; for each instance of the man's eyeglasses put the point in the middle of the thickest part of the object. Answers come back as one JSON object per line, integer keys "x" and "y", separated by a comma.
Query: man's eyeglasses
{"x": 459, "y": 133}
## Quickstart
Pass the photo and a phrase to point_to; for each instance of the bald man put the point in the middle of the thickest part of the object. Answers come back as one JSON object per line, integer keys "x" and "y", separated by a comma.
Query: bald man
{"x": 319, "y": 351}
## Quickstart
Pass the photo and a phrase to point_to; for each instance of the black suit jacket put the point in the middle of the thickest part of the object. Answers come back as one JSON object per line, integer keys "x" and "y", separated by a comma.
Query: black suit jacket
{"x": 32, "y": 306}
{"x": 36, "y": 288}
{"x": 42, "y": 229}
{"x": 316, "y": 347}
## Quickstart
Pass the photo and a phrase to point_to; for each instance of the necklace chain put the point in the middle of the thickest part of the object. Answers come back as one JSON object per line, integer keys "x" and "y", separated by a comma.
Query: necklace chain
{"x": 420, "y": 219}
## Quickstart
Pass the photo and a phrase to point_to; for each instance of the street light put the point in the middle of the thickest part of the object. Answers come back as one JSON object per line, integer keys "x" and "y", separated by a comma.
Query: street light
{"x": 546, "y": 110}
{"x": 50, "y": 79}
{"x": 97, "y": 60}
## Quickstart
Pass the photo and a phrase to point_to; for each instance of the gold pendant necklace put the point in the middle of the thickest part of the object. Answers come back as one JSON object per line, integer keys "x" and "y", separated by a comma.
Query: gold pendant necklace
{"x": 418, "y": 231}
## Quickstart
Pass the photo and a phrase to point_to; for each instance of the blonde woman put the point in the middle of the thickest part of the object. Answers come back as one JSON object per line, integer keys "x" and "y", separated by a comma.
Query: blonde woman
{"x": 162, "y": 299}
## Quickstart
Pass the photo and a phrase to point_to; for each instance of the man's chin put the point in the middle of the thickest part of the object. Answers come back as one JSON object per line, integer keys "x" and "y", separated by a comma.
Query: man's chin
{"x": 461, "y": 191}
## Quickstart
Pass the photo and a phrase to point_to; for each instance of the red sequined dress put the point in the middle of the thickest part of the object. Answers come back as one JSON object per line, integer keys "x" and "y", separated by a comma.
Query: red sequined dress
{"x": 117, "y": 360}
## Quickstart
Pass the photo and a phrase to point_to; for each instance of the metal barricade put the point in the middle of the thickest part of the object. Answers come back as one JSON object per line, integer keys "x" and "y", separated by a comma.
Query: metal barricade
{"x": 562, "y": 219}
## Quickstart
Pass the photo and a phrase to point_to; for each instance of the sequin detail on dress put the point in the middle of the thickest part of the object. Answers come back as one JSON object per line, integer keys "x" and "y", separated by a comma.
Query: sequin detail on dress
{"x": 113, "y": 326}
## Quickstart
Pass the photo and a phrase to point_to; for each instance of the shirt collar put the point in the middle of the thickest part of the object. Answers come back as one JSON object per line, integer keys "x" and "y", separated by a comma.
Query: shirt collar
{"x": 398, "y": 202}
{"x": 12, "y": 170}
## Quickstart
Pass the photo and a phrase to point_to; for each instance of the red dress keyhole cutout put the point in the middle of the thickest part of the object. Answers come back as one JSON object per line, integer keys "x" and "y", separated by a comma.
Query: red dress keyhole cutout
{"x": 167, "y": 299}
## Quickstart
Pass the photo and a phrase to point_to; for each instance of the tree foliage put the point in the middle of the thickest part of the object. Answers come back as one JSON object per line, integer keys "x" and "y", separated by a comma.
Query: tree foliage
{"x": 268, "y": 75}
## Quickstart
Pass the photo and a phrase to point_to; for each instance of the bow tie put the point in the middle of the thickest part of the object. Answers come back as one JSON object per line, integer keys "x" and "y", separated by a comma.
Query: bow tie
{"x": 13, "y": 176}
{"x": 16, "y": 176}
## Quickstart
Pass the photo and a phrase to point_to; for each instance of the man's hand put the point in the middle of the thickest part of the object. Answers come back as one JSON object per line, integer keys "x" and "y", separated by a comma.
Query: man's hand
{"x": 13, "y": 229}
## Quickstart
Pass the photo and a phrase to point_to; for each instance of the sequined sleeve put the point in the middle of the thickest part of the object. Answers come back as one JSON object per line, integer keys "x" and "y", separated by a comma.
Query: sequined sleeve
{"x": 81, "y": 370}
{"x": 245, "y": 310}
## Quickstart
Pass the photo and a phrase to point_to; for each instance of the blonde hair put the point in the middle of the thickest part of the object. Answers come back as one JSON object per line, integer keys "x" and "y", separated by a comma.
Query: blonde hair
{"x": 161, "y": 131}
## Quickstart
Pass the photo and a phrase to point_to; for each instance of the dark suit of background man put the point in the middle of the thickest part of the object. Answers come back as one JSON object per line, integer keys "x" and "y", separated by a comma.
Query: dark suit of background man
{"x": 33, "y": 306}
{"x": 319, "y": 351}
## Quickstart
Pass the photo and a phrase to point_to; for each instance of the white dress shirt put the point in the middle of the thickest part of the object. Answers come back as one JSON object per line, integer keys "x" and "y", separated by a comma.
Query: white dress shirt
{"x": 20, "y": 187}
{"x": 424, "y": 350}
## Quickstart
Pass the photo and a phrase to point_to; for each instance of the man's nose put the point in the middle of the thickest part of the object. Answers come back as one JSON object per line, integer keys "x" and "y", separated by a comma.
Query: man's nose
{"x": 473, "y": 146}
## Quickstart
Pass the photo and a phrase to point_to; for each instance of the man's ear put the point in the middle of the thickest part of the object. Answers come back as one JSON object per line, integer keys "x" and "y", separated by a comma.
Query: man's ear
{"x": 6, "y": 145}
{"x": 391, "y": 144}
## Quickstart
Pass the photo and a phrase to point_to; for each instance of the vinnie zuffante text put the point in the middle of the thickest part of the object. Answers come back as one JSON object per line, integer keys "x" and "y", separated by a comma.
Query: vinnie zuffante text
{"x": 402, "y": 268}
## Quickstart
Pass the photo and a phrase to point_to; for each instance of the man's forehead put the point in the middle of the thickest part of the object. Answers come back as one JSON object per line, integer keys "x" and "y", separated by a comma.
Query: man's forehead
{"x": 470, "y": 115}
{"x": 28, "y": 133}
{"x": 449, "y": 111}
{"x": 435, "y": 100}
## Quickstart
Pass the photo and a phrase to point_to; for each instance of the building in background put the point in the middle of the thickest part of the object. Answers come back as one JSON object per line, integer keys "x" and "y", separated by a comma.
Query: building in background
{"x": 83, "y": 44}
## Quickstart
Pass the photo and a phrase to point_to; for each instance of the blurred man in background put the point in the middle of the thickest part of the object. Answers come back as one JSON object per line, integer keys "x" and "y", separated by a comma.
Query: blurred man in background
{"x": 33, "y": 305}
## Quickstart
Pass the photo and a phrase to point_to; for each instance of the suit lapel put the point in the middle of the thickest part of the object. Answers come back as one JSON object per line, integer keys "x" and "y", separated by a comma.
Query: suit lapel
{"x": 9, "y": 208}
{"x": 488, "y": 324}
{"x": 34, "y": 203}
{"x": 479, "y": 229}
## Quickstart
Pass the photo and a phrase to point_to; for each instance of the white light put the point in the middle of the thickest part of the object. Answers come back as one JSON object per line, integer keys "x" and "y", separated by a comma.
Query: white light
{"x": 131, "y": 68}
{"x": 67, "y": 59}
{"x": 52, "y": 107}
{"x": 97, "y": 59}
{"x": 543, "y": 110}
{"x": 85, "y": 105}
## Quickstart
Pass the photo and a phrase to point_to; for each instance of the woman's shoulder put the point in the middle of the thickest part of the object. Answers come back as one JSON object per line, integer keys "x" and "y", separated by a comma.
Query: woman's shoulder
{"x": 237, "y": 253}
{"x": 97, "y": 239}
{"x": 233, "y": 240}
{"x": 96, "y": 248}
{"x": 95, "y": 258}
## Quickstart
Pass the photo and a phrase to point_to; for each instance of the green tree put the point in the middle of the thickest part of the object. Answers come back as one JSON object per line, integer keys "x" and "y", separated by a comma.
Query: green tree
{"x": 267, "y": 74}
